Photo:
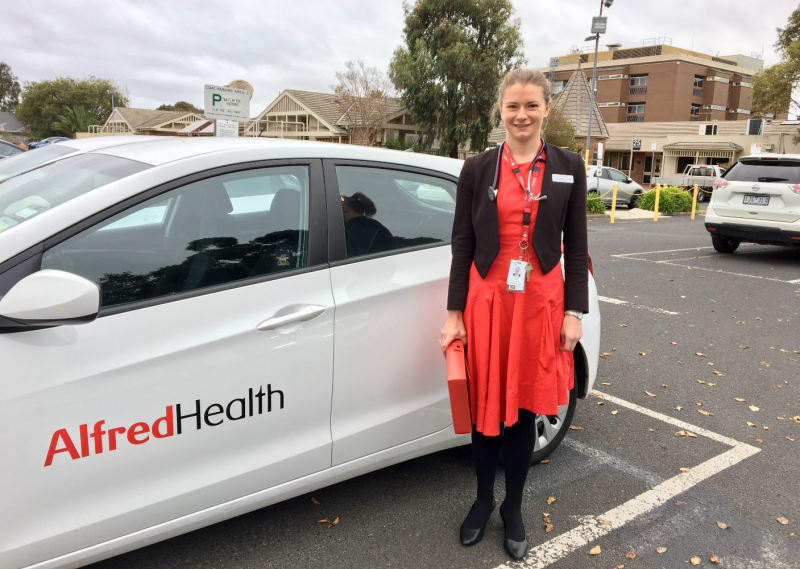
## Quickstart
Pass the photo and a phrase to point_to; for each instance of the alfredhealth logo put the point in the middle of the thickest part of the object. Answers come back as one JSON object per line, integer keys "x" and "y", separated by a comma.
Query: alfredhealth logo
{"x": 102, "y": 438}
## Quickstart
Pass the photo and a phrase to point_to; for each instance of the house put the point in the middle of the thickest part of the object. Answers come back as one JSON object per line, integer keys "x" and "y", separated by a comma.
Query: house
{"x": 10, "y": 127}
{"x": 127, "y": 121}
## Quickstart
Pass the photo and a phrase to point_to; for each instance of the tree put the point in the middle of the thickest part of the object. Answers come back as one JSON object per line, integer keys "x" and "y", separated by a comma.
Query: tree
{"x": 774, "y": 87}
{"x": 9, "y": 89}
{"x": 557, "y": 130}
{"x": 365, "y": 99}
{"x": 44, "y": 101}
{"x": 74, "y": 120}
{"x": 180, "y": 106}
{"x": 448, "y": 71}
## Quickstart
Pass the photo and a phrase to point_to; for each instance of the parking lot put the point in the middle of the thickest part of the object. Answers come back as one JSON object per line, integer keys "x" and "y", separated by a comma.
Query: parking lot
{"x": 688, "y": 448}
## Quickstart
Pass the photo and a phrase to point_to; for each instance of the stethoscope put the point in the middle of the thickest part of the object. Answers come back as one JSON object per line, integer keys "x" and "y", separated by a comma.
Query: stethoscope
{"x": 493, "y": 188}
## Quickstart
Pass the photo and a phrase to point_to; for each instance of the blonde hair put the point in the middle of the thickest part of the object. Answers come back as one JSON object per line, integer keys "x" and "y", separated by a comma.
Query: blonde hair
{"x": 526, "y": 77}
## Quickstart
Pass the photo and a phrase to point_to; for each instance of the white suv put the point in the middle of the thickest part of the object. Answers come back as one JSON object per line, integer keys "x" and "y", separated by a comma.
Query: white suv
{"x": 757, "y": 201}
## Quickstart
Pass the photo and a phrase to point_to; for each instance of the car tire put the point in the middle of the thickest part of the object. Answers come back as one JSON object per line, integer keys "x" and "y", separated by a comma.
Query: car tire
{"x": 723, "y": 245}
{"x": 634, "y": 200}
{"x": 702, "y": 196}
{"x": 551, "y": 429}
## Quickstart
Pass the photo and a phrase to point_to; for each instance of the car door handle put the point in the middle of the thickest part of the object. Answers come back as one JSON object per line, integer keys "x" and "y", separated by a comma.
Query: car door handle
{"x": 307, "y": 313}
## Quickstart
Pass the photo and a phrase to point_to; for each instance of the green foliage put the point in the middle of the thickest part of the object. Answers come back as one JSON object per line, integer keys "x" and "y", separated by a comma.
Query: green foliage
{"x": 9, "y": 89}
{"x": 672, "y": 200}
{"x": 448, "y": 71}
{"x": 594, "y": 204}
{"x": 179, "y": 106}
{"x": 398, "y": 144}
{"x": 557, "y": 130}
{"x": 43, "y": 102}
{"x": 74, "y": 120}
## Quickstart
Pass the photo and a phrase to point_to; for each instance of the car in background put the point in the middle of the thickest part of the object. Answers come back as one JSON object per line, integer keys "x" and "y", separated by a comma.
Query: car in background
{"x": 756, "y": 201}
{"x": 47, "y": 141}
{"x": 600, "y": 181}
{"x": 30, "y": 160}
{"x": 7, "y": 149}
{"x": 185, "y": 337}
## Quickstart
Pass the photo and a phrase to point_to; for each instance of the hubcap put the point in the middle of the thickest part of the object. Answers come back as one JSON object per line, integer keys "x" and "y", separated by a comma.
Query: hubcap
{"x": 548, "y": 426}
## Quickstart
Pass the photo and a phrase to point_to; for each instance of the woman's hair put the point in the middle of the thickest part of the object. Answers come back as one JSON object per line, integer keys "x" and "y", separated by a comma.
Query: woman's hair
{"x": 360, "y": 204}
{"x": 526, "y": 77}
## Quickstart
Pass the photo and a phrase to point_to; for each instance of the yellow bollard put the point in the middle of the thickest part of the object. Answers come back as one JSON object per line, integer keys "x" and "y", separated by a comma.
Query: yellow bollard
{"x": 613, "y": 203}
{"x": 655, "y": 209}
{"x": 694, "y": 200}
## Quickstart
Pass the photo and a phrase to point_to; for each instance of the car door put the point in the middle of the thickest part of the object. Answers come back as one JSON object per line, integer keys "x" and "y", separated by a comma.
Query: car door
{"x": 605, "y": 184}
{"x": 206, "y": 378}
{"x": 390, "y": 264}
{"x": 628, "y": 188}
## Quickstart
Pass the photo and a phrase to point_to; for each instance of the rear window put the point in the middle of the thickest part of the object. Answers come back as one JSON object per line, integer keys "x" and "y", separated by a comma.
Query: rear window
{"x": 760, "y": 171}
{"x": 32, "y": 159}
{"x": 27, "y": 195}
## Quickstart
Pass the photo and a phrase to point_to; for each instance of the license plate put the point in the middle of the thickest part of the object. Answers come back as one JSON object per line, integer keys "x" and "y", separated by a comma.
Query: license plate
{"x": 755, "y": 200}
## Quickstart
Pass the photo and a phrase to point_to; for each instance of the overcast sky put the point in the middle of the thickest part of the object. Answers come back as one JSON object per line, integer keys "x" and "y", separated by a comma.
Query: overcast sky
{"x": 165, "y": 51}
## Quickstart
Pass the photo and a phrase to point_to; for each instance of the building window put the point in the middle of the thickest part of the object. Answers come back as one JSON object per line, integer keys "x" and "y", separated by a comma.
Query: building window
{"x": 755, "y": 127}
{"x": 708, "y": 130}
{"x": 698, "y": 81}
{"x": 635, "y": 112}
{"x": 557, "y": 87}
{"x": 638, "y": 80}
{"x": 695, "y": 110}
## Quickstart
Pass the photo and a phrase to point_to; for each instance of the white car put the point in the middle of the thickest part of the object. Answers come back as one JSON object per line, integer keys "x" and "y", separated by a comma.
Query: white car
{"x": 184, "y": 338}
{"x": 757, "y": 201}
{"x": 600, "y": 181}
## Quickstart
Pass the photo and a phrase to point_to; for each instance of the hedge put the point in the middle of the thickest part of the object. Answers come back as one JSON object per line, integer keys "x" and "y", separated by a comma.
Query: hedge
{"x": 672, "y": 200}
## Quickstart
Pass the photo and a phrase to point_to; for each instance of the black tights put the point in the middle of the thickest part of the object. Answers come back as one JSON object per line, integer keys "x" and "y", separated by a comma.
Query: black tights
{"x": 516, "y": 443}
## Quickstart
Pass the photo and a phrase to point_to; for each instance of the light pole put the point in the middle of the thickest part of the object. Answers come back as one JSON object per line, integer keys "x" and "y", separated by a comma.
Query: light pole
{"x": 598, "y": 27}
{"x": 113, "y": 123}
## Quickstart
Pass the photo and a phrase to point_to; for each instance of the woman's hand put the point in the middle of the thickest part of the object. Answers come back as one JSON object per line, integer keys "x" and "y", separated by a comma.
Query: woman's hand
{"x": 453, "y": 329}
{"x": 571, "y": 332}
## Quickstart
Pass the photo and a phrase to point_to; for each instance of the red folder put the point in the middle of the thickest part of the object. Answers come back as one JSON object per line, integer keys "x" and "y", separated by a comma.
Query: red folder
{"x": 458, "y": 387}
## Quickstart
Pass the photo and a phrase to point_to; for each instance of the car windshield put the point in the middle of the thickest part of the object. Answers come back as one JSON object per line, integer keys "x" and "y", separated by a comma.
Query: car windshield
{"x": 762, "y": 171}
{"x": 27, "y": 195}
{"x": 32, "y": 159}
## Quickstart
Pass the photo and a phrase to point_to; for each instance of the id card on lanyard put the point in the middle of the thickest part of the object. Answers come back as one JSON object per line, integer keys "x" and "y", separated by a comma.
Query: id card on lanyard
{"x": 515, "y": 281}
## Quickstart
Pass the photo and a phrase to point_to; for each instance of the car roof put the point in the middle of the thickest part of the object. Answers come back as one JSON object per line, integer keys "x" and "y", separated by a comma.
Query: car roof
{"x": 771, "y": 156}
{"x": 98, "y": 142}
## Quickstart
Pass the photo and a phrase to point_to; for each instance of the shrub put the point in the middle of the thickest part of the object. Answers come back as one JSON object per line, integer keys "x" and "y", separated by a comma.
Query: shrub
{"x": 672, "y": 200}
{"x": 595, "y": 204}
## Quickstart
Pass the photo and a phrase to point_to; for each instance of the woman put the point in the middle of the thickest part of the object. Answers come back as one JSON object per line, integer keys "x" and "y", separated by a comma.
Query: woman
{"x": 364, "y": 235}
{"x": 513, "y": 204}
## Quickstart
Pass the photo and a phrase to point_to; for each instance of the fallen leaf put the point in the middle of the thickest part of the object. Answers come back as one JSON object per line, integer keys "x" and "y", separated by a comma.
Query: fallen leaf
{"x": 702, "y": 355}
{"x": 685, "y": 434}
{"x": 679, "y": 503}
{"x": 743, "y": 347}
{"x": 788, "y": 438}
{"x": 595, "y": 550}
{"x": 695, "y": 560}
{"x": 723, "y": 525}
{"x": 701, "y": 382}
{"x": 711, "y": 384}
{"x": 603, "y": 522}
{"x": 714, "y": 558}
{"x": 661, "y": 549}
{"x": 630, "y": 555}
{"x": 601, "y": 402}
{"x": 739, "y": 322}
{"x": 699, "y": 403}
{"x": 679, "y": 408}
{"x": 548, "y": 528}
{"x": 606, "y": 383}
{"x": 650, "y": 394}
{"x": 642, "y": 353}
{"x": 334, "y": 523}
{"x": 325, "y": 521}
{"x": 614, "y": 412}
{"x": 796, "y": 419}
{"x": 765, "y": 364}
{"x": 613, "y": 349}
{"x": 783, "y": 521}
{"x": 715, "y": 372}
{"x": 704, "y": 412}
{"x": 759, "y": 441}
{"x": 754, "y": 408}
{"x": 652, "y": 430}
{"x": 710, "y": 364}
{"x": 545, "y": 461}
{"x": 749, "y": 424}
{"x": 766, "y": 428}
{"x": 550, "y": 500}
{"x": 575, "y": 428}
{"x": 674, "y": 343}
{"x": 664, "y": 385}
{"x": 605, "y": 355}
{"x": 620, "y": 567}
{"x": 739, "y": 399}
{"x": 684, "y": 469}
{"x": 623, "y": 325}
{"x": 314, "y": 501}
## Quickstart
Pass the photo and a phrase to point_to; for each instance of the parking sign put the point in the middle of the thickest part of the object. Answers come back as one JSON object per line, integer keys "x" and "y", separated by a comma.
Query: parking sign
{"x": 637, "y": 144}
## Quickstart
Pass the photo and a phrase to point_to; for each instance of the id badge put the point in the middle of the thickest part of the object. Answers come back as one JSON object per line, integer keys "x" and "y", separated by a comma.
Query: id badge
{"x": 516, "y": 277}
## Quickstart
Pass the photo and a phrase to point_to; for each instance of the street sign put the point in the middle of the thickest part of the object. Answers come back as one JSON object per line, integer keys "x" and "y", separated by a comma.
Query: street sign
{"x": 226, "y": 128}
{"x": 227, "y": 103}
{"x": 599, "y": 24}
{"x": 653, "y": 146}
{"x": 600, "y": 151}
{"x": 755, "y": 148}
{"x": 637, "y": 144}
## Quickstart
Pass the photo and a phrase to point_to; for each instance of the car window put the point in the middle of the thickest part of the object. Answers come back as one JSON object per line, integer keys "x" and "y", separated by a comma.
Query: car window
{"x": 759, "y": 171}
{"x": 27, "y": 195}
{"x": 195, "y": 236}
{"x": 607, "y": 174}
{"x": 385, "y": 210}
{"x": 27, "y": 160}
{"x": 616, "y": 175}
{"x": 9, "y": 150}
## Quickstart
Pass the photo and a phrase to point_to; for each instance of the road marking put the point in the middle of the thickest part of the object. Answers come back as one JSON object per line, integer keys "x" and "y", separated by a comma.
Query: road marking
{"x": 669, "y": 262}
{"x": 639, "y": 306}
{"x": 673, "y": 250}
{"x": 590, "y": 530}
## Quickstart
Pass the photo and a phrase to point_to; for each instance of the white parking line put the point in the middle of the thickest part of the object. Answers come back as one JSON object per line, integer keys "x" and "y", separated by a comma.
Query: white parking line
{"x": 591, "y": 529}
{"x": 639, "y": 306}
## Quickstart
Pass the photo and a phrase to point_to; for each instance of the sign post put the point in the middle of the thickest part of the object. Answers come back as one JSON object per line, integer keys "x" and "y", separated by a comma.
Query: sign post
{"x": 653, "y": 162}
{"x": 229, "y": 106}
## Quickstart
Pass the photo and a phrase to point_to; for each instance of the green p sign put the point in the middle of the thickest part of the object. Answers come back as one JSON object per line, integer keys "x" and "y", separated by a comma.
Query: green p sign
{"x": 215, "y": 98}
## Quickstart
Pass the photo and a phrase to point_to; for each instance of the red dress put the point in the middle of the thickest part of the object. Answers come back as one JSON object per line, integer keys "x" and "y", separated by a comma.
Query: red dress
{"x": 513, "y": 356}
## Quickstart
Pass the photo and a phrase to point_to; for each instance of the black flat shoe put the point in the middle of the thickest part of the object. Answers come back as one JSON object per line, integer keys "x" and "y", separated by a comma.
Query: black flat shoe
{"x": 472, "y": 536}
{"x": 515, "y": 549}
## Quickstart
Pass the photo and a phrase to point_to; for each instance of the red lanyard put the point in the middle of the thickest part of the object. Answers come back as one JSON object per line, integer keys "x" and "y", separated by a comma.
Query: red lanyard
{"x": 526, "y": 212}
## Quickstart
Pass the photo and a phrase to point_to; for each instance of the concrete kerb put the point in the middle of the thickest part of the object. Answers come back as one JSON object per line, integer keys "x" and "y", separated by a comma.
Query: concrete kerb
{"x": 637, "y": 213}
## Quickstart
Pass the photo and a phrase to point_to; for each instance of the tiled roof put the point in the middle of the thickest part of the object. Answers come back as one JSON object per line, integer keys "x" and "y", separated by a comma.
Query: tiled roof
{"x": 574, "y": 103}
{"x": 617, "y": 63}
{"x": 9, "y": 123}
{"x": 143, "y": 118}
{"x": 703, "y": 146}
{"x": 326, "y": 106}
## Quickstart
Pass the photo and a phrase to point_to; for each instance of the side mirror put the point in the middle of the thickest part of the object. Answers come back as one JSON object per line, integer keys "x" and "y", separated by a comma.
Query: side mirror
{"x": 50, "y": 298}
{"x": 628, "y": 181}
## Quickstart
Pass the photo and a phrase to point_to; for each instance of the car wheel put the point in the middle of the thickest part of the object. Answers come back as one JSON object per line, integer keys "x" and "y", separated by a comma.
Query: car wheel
{"x": 701, "y": 196}
{"x": 634, "y": 200}
{"x": 724, "y": 245}
{"x": 551, "y": 429}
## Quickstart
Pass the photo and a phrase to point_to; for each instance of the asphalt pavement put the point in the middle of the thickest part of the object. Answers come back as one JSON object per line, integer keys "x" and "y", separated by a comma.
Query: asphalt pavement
{"x": 689, "y": 448}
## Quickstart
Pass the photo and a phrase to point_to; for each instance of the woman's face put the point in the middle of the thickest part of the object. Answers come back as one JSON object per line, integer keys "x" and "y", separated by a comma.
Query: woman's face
{"x": 523, "y": 109}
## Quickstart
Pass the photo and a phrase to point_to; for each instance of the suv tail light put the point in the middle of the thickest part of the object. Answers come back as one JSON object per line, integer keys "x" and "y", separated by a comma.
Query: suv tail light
{"x": 720, "y": 183}
{"x": 795, "y": 188}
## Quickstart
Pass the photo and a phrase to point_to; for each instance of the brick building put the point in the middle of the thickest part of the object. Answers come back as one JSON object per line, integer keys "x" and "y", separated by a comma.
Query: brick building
{"x": 662, "y": 83}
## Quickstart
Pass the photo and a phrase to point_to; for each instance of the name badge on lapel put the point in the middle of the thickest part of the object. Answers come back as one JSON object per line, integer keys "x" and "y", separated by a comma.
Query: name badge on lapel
{"x": 564, "y": 178}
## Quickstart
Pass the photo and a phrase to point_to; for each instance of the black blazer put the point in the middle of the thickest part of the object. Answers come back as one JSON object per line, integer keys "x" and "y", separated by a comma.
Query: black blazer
{"x": 476, "y": 235}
